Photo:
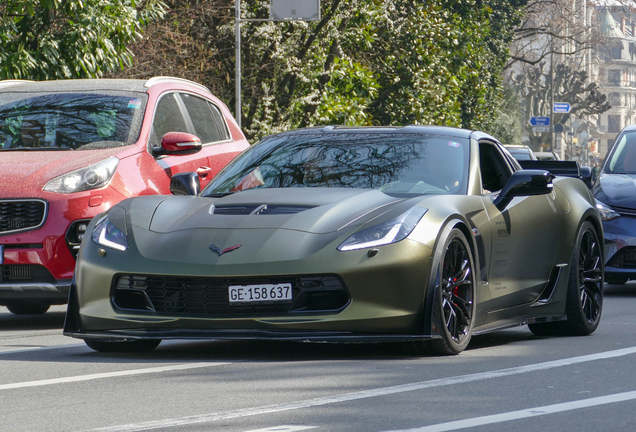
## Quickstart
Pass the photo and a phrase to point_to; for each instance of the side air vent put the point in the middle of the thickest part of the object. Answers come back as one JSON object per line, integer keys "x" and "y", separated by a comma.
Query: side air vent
{"x": 259, "y": 209}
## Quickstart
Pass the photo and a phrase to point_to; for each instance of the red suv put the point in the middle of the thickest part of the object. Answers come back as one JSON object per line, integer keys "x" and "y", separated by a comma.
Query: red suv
{"x": 71, "y": 149}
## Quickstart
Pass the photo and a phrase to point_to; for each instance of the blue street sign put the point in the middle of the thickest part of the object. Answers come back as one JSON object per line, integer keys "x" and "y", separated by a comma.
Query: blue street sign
{"x": 540, "y": 121}
{"x": 561, "y": 107}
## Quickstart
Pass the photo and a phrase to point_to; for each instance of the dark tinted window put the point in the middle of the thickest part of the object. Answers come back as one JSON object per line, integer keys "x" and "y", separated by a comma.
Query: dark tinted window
{"x": 168, "y": 118}
{"x": 400, "y": 164}
{"x": 206, "y": 118}
{"x": 79, "y": 121}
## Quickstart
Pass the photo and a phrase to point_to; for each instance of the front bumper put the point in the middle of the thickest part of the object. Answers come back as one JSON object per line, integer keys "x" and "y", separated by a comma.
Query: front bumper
{"x": 386, "y": 292}
{"x": 620, "y": 247}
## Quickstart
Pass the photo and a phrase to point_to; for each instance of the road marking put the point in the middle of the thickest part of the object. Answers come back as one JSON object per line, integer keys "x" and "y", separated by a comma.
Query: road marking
{"x": 284, "y": 429}
{"x": 382, "y": 391}
{"x": 526, "y": 413}
{"x": 108, "y": 375}
{"x": 31, "y": 349}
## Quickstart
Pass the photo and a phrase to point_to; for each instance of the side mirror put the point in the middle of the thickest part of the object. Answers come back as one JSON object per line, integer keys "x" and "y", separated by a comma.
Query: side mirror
{"x": 186, "y": 183}
{"x": 178, "y": 143}
{"x": 586, "y": 176}
{"x": 524, "y": 183}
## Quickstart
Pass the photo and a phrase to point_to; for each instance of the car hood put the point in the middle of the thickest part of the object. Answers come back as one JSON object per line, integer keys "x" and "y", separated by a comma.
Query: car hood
{"x": 34, "y": 168}
{"x": 312, "y": 210}
{"x": 616, "y": 190}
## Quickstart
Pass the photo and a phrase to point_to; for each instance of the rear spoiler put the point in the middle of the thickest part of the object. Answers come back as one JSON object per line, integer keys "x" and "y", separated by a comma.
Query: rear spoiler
{"x": 561, "y": 168}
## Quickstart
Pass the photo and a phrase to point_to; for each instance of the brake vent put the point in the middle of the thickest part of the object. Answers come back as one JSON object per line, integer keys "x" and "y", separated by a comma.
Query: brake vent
{"x": 259, "y": 209}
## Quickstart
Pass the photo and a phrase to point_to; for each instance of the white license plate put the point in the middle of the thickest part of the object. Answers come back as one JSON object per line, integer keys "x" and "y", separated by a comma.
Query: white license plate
{"x": 259, "y": 293}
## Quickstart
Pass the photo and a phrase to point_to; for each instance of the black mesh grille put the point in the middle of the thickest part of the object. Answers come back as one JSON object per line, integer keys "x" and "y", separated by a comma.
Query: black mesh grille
{"x": 259, "y": 209}
{"x": 25, "y": 273}
{"x": 21, "y": 215}
{"x": 201, "y": 296}
{"x": 624, "y": 258}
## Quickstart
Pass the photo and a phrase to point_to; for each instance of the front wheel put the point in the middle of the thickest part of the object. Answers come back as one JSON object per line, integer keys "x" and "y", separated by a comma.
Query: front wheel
{"x": 455, "y": 292}
{"x": 107, "y": 345}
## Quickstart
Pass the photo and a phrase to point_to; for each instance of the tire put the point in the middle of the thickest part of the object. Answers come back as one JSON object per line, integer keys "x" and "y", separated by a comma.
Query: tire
{"x": 141, "y": 345}
{"x": 28, "y": 308}
{"x": 584, "y": 301}
{"x": 455, "y": 296}
{"x": 615, "y": 280}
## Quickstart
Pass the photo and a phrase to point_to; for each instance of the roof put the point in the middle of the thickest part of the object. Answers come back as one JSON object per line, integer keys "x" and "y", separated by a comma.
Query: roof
{"x": 133, "y": 85}
{"x": 412, "y": 129}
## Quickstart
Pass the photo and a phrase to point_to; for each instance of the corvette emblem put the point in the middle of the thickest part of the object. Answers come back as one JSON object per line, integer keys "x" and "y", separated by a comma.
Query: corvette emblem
{"x": 218, "y": 250}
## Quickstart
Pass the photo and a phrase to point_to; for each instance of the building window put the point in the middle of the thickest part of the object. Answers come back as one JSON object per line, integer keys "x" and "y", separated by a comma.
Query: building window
{"x": 613, "y": 123}
{"x": 614, "y": 77}
{"x": 615, "y": 51}
{"x": 614, "y": 99}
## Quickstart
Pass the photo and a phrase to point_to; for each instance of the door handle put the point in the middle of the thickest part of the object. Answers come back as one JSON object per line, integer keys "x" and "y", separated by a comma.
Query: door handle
{"x": 204, "y": 171}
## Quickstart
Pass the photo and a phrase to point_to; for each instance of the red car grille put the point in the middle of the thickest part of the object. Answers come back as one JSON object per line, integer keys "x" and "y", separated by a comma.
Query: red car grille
{"x": 207, "y": 297}
{"x": 25, "y": 273}
{"x": 21, "y": 215}
{"x": 624, "y": 258}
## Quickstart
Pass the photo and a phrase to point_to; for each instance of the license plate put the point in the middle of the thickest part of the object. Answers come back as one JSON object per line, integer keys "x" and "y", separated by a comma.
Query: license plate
{"x": 1, "y": 254}
{"x": 259, "y": 293}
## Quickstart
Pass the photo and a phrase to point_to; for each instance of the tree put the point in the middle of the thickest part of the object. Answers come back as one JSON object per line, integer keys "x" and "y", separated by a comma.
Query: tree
{"x": 56, "y": 39}
{"x": 365, "y": 62}
{"x": 570, "y": 85}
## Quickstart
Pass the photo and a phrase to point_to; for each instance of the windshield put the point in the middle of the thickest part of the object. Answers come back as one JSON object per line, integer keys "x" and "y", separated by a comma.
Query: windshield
{"x": 394, "y": 163}
{"x": 70, "y": 121}
{"x": 623, "y": 157}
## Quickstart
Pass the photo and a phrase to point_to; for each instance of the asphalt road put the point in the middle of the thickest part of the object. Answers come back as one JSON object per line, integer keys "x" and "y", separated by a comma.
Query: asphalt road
{"x": 506, "y": 381}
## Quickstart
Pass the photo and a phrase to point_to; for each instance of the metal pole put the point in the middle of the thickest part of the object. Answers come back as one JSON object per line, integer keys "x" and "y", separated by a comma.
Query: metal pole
{"x": 553, "y": 135}
{"x": 238, "y": 61}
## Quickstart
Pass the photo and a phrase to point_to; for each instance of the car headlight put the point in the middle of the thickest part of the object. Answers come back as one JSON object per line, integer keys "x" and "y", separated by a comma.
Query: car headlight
{"x": 607, "y": 213}
{"x": 91, "y": 177}
{"x": 385, "y": 233}
{"x": 107, "y": 234}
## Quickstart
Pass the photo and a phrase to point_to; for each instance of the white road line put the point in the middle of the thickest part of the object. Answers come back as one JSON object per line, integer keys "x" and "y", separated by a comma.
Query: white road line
{"x": 284, "y": 429}
{"x": 522, "y": 414}
{"x": 45, "y": 348}
{"x": 383, "y": 391}
{"x": 107, "y": 375}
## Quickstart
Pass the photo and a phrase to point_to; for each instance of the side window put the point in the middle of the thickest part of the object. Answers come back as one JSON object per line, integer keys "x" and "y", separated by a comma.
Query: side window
{"x": 168, "y": 118}
{"x": 494, "y": 170}
{"x": 206, "y": 118}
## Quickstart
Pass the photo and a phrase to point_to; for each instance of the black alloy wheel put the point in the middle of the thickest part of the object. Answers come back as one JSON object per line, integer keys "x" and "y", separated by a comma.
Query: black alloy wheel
{"x": 584, "y": 311}
{"x": 456, "y": 296}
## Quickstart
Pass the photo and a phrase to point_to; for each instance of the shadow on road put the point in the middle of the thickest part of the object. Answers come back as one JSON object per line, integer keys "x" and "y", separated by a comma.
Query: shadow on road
{"x": 625, "y": 290}
{"x": 47, "y": 321}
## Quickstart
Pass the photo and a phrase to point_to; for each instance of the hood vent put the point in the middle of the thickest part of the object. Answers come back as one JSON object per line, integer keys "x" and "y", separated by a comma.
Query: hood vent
{"x": 259, "y": 209}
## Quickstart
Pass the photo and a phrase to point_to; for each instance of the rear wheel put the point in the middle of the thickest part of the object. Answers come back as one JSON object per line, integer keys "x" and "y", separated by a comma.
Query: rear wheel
{"x": 107, "y": 345}
{"x": 584, "y": 302}
{"x": 28, "y": 308}
{"x": 454, "y": 298}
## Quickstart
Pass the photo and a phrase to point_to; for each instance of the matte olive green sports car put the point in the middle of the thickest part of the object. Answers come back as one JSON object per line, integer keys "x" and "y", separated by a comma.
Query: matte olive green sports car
{"x": 424, "y": 235}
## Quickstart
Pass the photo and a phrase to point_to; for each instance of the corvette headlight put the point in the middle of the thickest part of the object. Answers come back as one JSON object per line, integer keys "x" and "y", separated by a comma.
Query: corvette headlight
{"x": 107, "y": 234}
{"x": 385, "y": 233}
{"x": 607, "y": 213}
{"x": 91, "y": 177}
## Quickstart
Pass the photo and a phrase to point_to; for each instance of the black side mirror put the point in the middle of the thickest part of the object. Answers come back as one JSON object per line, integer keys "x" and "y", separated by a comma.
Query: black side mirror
{"x": 586, "y": 176}
{"x": 524, "y": 183}
{"x": 185, "y": 184}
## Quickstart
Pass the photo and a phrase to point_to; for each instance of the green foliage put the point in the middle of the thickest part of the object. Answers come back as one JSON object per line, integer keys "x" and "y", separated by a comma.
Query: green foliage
{"x": 382, "y": 62}
{"x": 56, "y": 39}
